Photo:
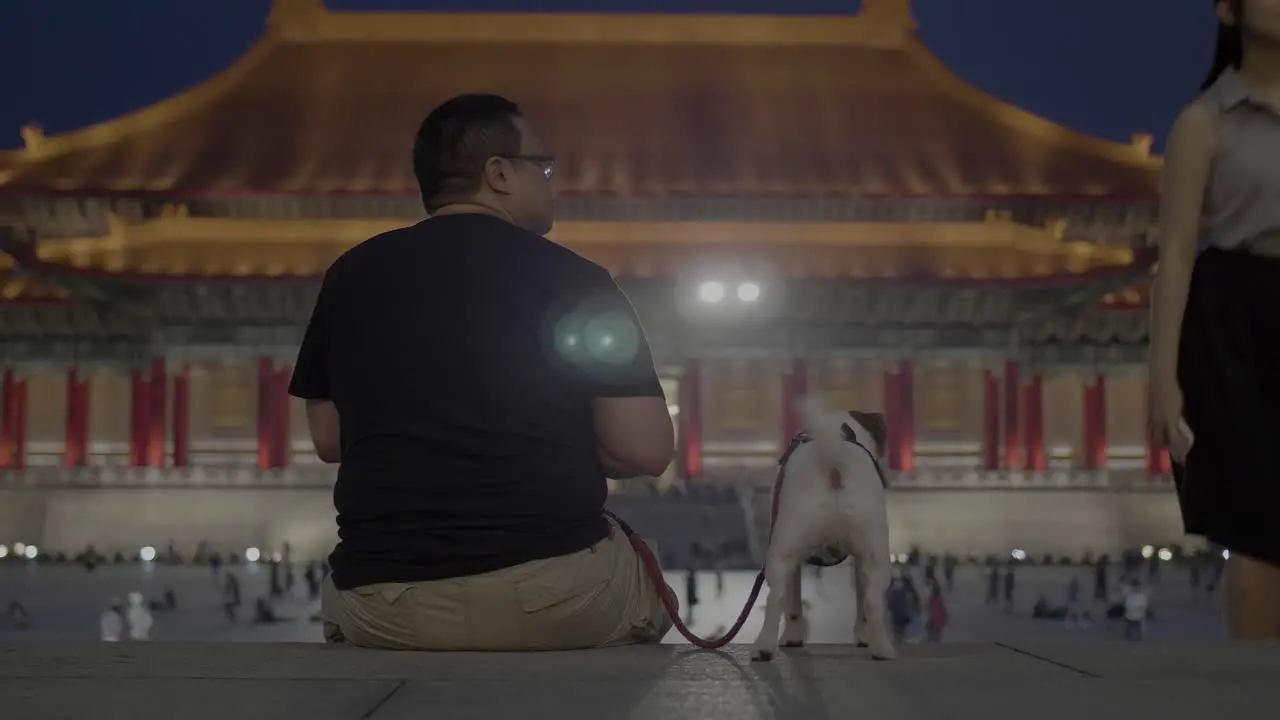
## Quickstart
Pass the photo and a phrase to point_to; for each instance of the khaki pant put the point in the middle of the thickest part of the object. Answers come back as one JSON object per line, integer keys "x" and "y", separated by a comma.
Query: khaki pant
{"x": 598, "y": 597}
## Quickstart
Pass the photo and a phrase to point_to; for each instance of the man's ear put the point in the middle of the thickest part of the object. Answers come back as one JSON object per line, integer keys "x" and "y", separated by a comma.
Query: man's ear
{"x": 494, "y": 175}
{"x": 875, "y": 424}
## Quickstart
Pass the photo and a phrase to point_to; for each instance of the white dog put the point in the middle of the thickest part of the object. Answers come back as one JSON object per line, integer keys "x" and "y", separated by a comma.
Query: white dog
{"x": 832, "y": 498}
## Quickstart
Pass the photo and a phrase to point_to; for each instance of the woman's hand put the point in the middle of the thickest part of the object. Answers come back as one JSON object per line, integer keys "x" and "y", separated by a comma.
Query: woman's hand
{"x": 1165, "y": 405}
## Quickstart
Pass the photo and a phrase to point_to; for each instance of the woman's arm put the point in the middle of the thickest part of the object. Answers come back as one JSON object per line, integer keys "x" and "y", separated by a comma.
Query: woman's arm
{"x": 1188, "y": 163}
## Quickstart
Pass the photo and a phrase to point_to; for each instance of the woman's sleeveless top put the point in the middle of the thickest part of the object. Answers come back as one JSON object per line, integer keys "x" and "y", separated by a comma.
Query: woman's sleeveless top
{"x": 1242, "y": 202}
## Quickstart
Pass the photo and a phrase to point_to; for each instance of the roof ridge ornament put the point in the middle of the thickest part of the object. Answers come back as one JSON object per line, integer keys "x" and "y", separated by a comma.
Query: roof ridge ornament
{"x": 1141, "y": 140}
{"x": 892, "y": 16}
{"x": 32, "y": 137}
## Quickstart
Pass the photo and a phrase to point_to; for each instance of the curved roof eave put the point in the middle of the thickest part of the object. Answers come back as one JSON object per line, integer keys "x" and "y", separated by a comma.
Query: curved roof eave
{"x": 1026, "y": 122}
{"x": 193, "y": 99}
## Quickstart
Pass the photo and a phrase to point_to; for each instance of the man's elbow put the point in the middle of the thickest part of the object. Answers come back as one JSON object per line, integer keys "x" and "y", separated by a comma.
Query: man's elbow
{"x": 654, "y": 462}
{"x": 650, "y": 458}
{"x": 329, "y": 452}
{"x": 636, "y": 432}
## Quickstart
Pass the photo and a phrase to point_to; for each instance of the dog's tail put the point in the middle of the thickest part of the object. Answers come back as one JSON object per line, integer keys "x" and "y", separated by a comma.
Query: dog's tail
{"x": 828, "y": 437}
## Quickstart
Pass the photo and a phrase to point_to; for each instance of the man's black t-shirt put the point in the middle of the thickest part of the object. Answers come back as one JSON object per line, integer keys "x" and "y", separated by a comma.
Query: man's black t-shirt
{"x": 462, "y": 354}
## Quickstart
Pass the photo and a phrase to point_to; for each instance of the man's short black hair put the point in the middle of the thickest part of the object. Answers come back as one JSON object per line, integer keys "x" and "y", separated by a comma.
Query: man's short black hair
{"x": 456, "y": 140}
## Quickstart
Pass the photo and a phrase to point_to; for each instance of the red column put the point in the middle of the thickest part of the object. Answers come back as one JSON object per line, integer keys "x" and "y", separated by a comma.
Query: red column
{"x": 1088, "y": 414}
{"x": 1033, "y": 423}
{"x": 181, "y": 417}
{"x": 691, "y": 418}
{"x": 1095, "y": 424}
{"x": 7, "y": 397}
{"x": 20, "y": 425}
{"x": 139, "y": 419}
{"x": 280, "y": 418}
{"x": 795, "y": 385}
{"x": 1012, "y": 441}
{"x": 1158, "y": 460}
{"x": 990, "y": 421}
{"x": 82, "y": 430}
{"x": 893, "y": 418}
{"x": 1152, "y": 455}
{"x": 907, "y": 409}
{"x": 71, "y": 434}
{"x": 264, "y": 413}
{"x": 156, "y": 396}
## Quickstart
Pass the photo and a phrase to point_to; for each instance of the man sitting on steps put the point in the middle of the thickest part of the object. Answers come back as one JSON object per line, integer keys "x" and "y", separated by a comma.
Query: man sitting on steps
{"x": 478, "y": 382}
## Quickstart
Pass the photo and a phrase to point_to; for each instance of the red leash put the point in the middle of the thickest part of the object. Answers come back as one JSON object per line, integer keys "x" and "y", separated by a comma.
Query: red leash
{"x": 669, "y": 596}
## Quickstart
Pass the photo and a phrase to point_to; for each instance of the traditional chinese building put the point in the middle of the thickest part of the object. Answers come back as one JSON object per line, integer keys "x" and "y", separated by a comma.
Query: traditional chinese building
{"x": 793, "y": 204}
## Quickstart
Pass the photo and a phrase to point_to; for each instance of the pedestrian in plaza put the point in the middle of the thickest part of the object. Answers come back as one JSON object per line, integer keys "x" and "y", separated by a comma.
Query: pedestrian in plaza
{"x": 690, "y": 594}
{"x": 1215, "y": 330}
{"x": 1075, "y": 608}
{"x": 901, "y": 609}
{"x": 949, "y": 563}
{"x": 139, "y": 616}
{"x": 231, "y": 596}
{"x": 111, "y": 623}
{"x": 17, "y": 615}
{"x": 938, "y": 617}
{"x": 1010, "y": 583}
{"x": 1101, "y": 574}
{"x": 1136, "y": 604}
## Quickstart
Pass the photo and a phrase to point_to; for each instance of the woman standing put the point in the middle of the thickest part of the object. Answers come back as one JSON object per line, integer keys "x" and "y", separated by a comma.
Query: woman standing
{"x": 1215, "y": 330}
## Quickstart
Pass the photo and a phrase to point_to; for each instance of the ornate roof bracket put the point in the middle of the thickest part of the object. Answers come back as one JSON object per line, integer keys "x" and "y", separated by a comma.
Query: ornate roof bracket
{"x": 21, "y": 245}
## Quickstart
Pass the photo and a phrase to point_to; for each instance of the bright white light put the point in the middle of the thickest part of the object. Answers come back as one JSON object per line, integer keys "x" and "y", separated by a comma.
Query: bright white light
{"x": 1165, "y": 554}
{"x": 252, "y": 554}
{"x": 1148, "y": 551}
{"x": 748, "y": 292}
{"x": 672, "y": 409}
{"x": 1017, "y": 554}
{"x": 32, "y": 552}
{"x": 4, "y": 551}
{"x": 147, "y": 553}
{"x": 711, "y": 291}
{"x": 1226, "y": 554}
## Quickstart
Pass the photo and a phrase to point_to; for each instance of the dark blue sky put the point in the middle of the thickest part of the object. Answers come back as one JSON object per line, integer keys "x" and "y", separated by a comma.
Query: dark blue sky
{"x": 1107, "y": 67}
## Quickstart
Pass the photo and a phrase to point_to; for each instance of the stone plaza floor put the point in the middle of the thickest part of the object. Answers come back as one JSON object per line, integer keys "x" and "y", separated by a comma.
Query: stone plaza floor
{"x": 993, "y": 665}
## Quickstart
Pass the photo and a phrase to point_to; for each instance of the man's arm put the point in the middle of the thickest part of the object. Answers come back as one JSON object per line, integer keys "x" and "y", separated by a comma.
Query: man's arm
{"x": 635, "y": 435}
{"x": 612, "y": 359}
{"x": 311, "y": 382}
{"x": 326, "y": 436}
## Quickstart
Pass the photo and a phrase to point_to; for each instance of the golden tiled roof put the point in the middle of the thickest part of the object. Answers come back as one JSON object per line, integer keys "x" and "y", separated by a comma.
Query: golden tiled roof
{"x": 176, "y": 243}
{"x": 328, "y": 103}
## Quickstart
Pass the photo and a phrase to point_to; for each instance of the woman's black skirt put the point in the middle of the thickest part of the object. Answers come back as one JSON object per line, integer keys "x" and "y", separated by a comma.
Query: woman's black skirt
{"x": 1229, "y": 370}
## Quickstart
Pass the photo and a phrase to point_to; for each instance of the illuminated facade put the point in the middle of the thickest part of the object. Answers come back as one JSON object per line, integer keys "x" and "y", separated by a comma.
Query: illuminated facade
{"x": 792, "y": 203}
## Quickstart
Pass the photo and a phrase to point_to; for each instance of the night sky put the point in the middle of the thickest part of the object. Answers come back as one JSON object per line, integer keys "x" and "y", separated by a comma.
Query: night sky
{"x": 1106, "y": 67}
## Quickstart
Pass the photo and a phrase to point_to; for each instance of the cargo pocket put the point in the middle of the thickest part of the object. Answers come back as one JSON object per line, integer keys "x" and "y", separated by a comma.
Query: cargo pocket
{"x": 379, "y": 616}
{"x": 566, "y": 603}
{"x": 387, "y": 593}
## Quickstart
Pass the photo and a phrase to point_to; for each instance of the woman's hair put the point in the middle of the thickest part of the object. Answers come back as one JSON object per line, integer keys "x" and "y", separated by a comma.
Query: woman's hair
{"x": 1230, "y": 49}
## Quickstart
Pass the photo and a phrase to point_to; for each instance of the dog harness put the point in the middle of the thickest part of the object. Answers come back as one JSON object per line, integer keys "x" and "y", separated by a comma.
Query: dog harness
{"x": 830, "y": 556}
{"x": 850, "y": 436}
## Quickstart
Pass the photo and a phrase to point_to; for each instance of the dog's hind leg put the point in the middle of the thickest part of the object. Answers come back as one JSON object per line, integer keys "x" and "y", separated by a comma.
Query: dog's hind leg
{"x": 777, "y": 572}
{"x": 860, "y": 601}
{"x": 873, "y": 575}
{"x": 797, "y": 627}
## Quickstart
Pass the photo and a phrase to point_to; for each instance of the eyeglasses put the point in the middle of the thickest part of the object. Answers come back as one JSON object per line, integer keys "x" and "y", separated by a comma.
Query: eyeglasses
{"x": 546, "y": 162}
